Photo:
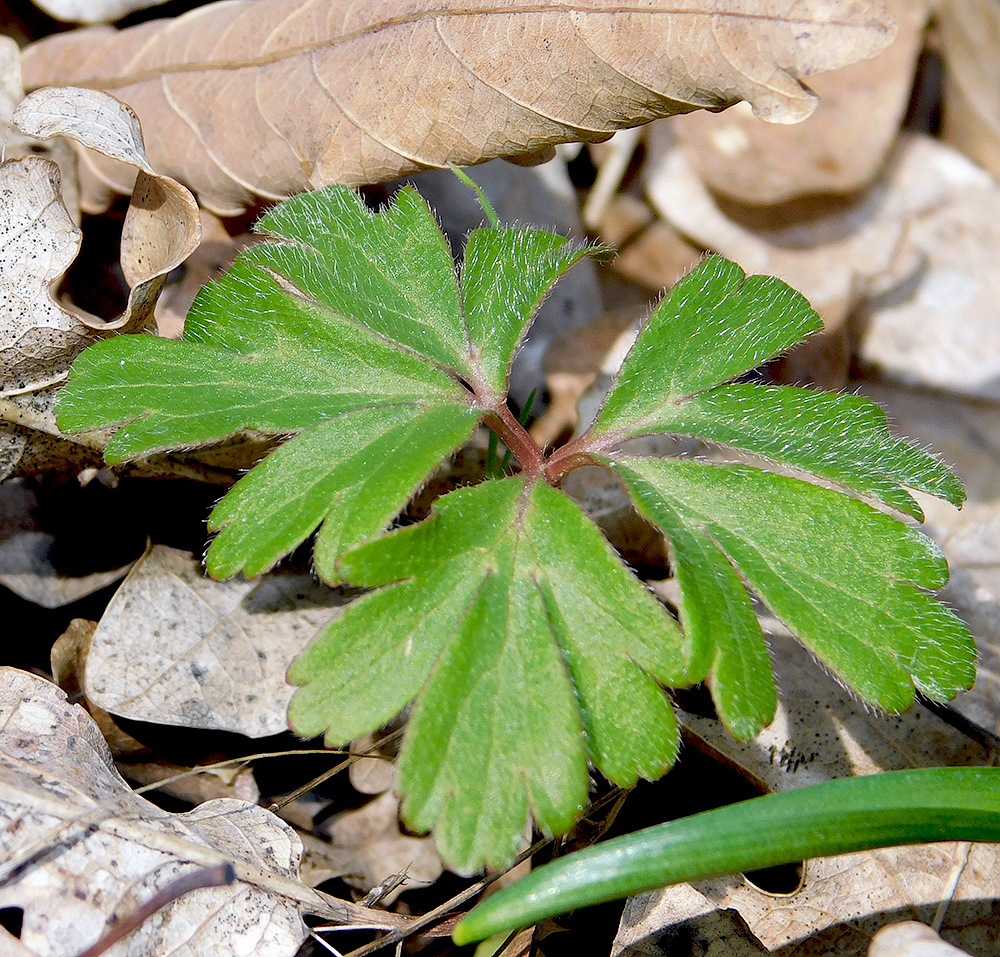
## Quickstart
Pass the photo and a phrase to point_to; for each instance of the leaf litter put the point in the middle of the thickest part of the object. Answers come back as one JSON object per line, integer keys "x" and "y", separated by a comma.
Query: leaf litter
{"x": 983, "y": 629}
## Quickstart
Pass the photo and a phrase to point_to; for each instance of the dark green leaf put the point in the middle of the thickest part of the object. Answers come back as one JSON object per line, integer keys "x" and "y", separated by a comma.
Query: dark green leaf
{"x": 835, "y": 817}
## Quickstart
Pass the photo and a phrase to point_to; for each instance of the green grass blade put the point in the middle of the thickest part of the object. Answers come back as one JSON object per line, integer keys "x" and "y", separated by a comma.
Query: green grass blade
{"x": 835, "y": 817}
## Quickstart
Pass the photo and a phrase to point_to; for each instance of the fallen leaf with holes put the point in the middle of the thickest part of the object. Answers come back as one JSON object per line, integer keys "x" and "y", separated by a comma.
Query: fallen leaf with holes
{"x": 175, "y": 647}
{"x": 819, "y": 734}
{"x": 82, "y": 851}
{"x": 318, "y": 93}
{"x": 839, "y": 149}
{"x": 970, "y": 38}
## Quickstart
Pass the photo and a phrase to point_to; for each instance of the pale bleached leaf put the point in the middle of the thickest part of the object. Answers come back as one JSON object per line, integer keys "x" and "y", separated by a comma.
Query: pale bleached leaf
{"x": 60, "y": 792}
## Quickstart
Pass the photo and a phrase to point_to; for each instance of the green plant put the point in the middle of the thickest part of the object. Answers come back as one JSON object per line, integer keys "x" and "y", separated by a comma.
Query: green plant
{"x": 530, "y": 650}
{"x": 835, "y": 817}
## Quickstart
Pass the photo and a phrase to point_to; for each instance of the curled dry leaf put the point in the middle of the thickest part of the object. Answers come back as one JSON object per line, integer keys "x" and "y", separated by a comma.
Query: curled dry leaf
{"x": 81, "y": 850}
{"x": 38, "y": 238}
{"x": 175, "y": 647}
{"x": 162, "y": 226}
{"x": 316, "y": 93}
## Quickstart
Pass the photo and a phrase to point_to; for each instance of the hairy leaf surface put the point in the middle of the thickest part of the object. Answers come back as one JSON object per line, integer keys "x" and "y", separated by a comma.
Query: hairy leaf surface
{"x": 528, "y": 651}
{"x": 846, "y": 578}
{"x": 716, "y": 324}
{"x": 531, "y": 649}
{"x": 349, "y": 331}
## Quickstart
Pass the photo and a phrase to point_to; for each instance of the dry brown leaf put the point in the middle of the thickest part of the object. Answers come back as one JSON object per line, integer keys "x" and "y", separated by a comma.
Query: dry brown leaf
{"x": 916, "y": 256}
{"x": 819, "y": 733}
{"x": 839, "y": 149}
{"x": 39, "y": 240}
{"x": 970, "y": 42}
{"x": 15, "y": 144}
{"x": 30, "y": 440}
{"x": 162, "y": 226}
{"x": 175, "y": 647}
{"x": 273, "y": 97}
{"x": 27, "y": 570}
{"x": 367, "y": 846}
{"x": 60, "y": 792}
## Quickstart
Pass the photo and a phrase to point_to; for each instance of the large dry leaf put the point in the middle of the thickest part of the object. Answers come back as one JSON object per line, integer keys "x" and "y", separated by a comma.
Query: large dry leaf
{"x": 38, "y": 238}
{"x": 175, "y": 647}
{"x": 818, "y": 734}
{"x": 79, "y": 849}
{"x": 275, "y": 96}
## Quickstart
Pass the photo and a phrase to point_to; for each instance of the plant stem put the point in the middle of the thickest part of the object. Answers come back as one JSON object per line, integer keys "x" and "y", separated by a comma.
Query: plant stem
{"x": 516, "y": 438}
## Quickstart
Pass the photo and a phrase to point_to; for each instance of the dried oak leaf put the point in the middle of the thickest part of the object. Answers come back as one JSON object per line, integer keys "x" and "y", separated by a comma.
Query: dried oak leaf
{"x": 267, "y": 98}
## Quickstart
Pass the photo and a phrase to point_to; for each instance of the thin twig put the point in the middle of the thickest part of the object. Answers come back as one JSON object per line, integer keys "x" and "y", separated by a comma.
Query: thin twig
{"x": 217, "y": 876}
{"x": 316, "y": 781}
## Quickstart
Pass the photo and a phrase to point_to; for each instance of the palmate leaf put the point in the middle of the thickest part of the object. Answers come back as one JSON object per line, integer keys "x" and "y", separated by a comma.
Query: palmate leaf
{"x": 352, "y": 333}
{"x": 528, "y": 650}
{"x": 531, "y": 650}
{"x": 843, "y": 576}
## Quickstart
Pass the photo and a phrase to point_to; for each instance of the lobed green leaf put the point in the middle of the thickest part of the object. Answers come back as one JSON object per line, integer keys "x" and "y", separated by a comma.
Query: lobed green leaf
{"x": 506, "y": 273}
{"x": 530, "y": 649}
{"x": 714, "y": 325}
{"x": 846, "y": 578}
{"x": 337, "y": 473}
{"x": 717, "y": 324}
{"x": 390, "y": 272}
